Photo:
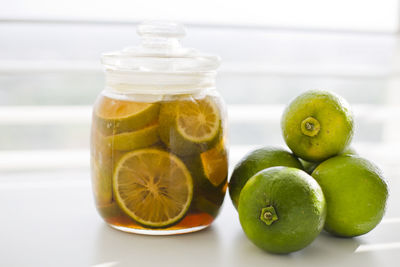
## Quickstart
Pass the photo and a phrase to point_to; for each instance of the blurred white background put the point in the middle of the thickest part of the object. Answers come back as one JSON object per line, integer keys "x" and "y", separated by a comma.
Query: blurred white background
{"x": 50, "y": 71}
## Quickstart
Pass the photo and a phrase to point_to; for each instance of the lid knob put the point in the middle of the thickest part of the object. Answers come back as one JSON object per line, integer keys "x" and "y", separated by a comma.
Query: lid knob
{"x": 160, "y": 50}
{"x": 161, "y": 29}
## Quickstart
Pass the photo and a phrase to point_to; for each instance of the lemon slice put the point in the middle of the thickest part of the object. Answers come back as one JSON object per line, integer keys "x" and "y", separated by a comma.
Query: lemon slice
{"x": 215, "y": 164}
{"x": 133, "y": 140}
{"x": 190, "y": 127}
{"x": 153, "y": 187}
{"x": 118, "y": 116}
{"x": 198, "y": 121}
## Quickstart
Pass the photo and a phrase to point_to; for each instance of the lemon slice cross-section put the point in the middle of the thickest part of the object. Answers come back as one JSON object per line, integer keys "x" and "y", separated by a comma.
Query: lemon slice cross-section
{"x": 153, "y": 187}
{"x": 198, "y": 121}
{"x": 190, "y": 127}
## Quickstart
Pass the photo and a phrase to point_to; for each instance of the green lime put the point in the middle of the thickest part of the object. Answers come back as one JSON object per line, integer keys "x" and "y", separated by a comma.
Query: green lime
{"x": 309, "y": 167}
{"x": 153, "y": 187}
{"x": 282, "y": 209}
{"x": 317, "y": 125}
{"x": 355, "y": 192}
{"x": 256, "y": 161}
{"x": 349, "y": 151}
{"x": 190, "y": 127}
{"x": 114, "y": 116}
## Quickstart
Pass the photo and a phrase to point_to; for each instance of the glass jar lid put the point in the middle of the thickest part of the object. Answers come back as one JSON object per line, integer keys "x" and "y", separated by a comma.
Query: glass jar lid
{"x": 160, "y": 51}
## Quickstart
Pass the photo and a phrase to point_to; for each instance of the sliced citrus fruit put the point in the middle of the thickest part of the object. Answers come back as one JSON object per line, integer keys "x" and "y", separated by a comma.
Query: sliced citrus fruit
{"x": 102, "y": 164}
{"x": 203, "y": 204}
{"x": 101, "y": 183}
{"x": 190, "y": 127}
{"x": 115, "y": 116}
{"x": 204, "y": 188}
{"x": 198, "y": 121}
{"x": 110, "y": 211}
{"x": 133, "y": 140}
{"x": 153, "y": 187}
{"x": 215, "y": 164}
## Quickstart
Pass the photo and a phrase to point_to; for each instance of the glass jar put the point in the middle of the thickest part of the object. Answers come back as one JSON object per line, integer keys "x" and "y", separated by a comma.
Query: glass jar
{"x": 159, "y": 158}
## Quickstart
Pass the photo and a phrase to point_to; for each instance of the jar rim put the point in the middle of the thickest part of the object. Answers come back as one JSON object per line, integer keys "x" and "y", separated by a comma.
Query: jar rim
{"x": 159, "y": 82}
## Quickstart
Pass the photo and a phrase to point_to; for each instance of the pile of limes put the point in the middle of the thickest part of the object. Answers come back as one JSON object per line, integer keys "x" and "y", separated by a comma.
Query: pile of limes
{"x": 285, "y": 199}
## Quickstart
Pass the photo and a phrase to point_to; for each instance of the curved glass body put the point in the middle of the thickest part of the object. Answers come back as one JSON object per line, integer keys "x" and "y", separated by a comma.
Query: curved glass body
{"x": 159, "y": 166}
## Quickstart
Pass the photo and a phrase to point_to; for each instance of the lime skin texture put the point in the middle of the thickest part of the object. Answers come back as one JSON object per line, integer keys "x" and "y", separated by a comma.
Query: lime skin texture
{"x": 282, "y": 209}
{"x": 256, "y": 161}
{"x": 356, "y": 194}
{"x": 317, "y": 125}
{"x": 309, "y": 167}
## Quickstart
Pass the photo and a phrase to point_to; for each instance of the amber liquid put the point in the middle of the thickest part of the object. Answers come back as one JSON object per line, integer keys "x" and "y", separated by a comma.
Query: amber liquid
{"x": 208, "y": 191}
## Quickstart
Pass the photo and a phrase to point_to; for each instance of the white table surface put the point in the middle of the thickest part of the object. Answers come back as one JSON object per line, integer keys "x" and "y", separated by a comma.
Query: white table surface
{"x": 48, "y": 218}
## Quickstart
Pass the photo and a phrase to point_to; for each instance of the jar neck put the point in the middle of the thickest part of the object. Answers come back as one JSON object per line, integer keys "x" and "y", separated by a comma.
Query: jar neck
{"x": 162, "y": 83}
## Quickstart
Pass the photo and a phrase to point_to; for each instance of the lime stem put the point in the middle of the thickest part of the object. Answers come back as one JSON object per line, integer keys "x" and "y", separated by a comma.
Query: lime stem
{"x": 310, "y": 126}
{"x": 268, "y": 215}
